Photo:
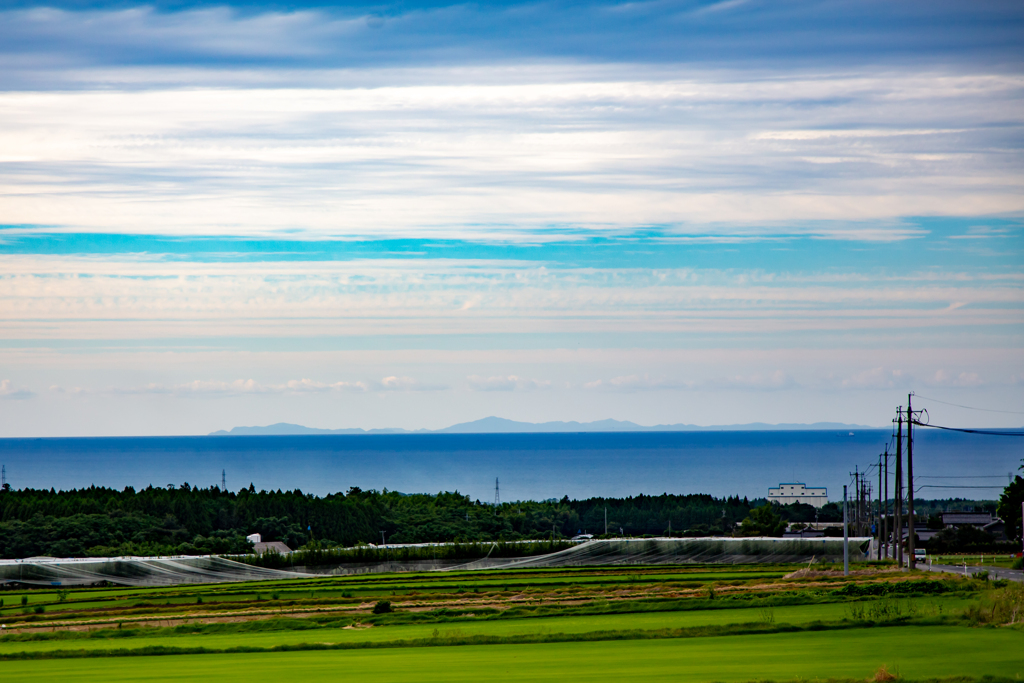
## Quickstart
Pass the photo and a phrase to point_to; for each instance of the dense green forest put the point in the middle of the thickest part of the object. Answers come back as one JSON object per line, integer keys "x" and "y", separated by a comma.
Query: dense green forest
{"x": 187, "y": 520}
{"x": 184, "y": 519}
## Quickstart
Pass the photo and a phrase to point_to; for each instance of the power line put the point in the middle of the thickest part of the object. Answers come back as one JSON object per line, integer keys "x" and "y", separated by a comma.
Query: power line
{"x": 957, "y": 405}
{"x": 937, "y": 476}
{"x": 969, "y": 431}
{"x": 940, "y": 486}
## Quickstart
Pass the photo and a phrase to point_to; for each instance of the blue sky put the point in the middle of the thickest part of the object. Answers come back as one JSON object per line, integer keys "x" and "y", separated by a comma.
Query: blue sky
{"x": 416, "y": 214}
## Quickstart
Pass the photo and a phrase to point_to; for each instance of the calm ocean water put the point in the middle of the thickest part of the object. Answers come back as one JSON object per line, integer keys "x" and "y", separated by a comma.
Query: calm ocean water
{"x": 530, "y": 466}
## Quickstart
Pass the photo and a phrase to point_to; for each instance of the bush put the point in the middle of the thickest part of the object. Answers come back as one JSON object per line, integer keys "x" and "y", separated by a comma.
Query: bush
{"x": 382, "y": 607}
{"x": 1017, "y": 563}
{"x": 762, "y": 521}
{"x": 1008, "y": 607}
{"x": 40, "y": 609}
{"x": 1005, "y": 606}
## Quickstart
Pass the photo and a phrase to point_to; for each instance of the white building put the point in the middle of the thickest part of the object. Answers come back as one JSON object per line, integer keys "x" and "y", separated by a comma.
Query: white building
{"x": 788, "y": 493}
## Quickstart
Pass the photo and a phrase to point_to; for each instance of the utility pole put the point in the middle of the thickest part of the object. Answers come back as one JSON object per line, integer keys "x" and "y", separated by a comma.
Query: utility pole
{"x": 867, "y": 509}
{"x": 910, "y": 486}
{"x": 223, "y": 480}
{"x": 866, "y": 490}
{"x": 846, "y": 537}
{"x": 898, "y": 501}
{"x": 885, "y": 500}
{"x": 497, "y": 496}
{"x": 606, "y": 520}
{"x": 3, "y": 477}
{"x": 879, "y": 528}
{"x": 856, "y": 497}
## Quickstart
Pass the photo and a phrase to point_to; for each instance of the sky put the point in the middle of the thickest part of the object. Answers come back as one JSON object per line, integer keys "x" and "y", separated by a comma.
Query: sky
{"x": 414, "y": 214}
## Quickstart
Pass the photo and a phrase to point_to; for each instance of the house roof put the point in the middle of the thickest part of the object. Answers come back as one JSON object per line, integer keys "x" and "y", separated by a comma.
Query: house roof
{"x": 967, "y": 517}
{"x": 272, "y": 546}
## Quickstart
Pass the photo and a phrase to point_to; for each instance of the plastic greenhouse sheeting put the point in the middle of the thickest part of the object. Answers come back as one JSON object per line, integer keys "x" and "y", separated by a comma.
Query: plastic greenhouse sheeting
{"x": 646, "y": 551}
{"x": 168, "y": 571}
{"x": 134, "y": 571}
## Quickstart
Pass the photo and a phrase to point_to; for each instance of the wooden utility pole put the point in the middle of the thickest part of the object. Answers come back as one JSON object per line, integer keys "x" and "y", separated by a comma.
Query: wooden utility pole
{"x": 879, "y": 527}
{"x": 867, "y": 509}
{"x": 898, "y": 495}
{"x": 856, "y": 507}
{"x": 846, "y": 537}
{"x": 910, "y": 485}
{"x": 885, "y": 510}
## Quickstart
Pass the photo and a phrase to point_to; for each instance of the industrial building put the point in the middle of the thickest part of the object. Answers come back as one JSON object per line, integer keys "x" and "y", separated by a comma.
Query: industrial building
{"x": 787, "y": 493}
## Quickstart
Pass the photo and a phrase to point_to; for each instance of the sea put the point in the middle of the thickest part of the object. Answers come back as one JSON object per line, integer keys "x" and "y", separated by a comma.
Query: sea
{"x": 519, "y": 466}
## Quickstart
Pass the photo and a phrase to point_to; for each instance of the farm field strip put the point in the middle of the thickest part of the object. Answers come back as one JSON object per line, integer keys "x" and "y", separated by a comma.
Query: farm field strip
{"x": 437, "y": 586}
{"x": 782, "y": 656}
{"x": 798, "y": 614}
{"x": 418, "y": 580}
{"x": 86, "y": 608}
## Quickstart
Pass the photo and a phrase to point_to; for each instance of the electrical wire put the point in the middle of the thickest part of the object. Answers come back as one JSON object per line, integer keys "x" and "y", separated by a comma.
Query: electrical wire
{"x": 968, "y": 431}
{"x": 938, "y": 476}
{"x": 957, "y": 405}
{"x": 941, "y": 486}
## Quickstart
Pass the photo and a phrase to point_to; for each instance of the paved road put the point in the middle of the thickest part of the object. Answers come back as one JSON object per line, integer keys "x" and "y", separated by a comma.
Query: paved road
{"x": 993, "y": 572}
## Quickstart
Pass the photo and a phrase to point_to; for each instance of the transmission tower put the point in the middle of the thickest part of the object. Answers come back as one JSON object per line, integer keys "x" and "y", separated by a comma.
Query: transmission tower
{"x": 497, "y": 494}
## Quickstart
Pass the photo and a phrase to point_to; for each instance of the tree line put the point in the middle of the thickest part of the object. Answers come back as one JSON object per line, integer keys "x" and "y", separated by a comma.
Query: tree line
{"x": 183, "y": 519}
{"x": 106, "y": 522}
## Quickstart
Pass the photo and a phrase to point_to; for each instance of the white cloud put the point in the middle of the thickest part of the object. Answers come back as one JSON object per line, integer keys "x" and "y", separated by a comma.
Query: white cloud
{"x": 506, "y": 383}
{"x": 881, "y": 378}
{"x": 756, "y": 381}
{"x": 943, "y": 378}
{"x": 874, "y": 378}
{"x": 406, "y": 384}
{"x": 244, "y": 387}
{"x": 128, "y": 298}
{"x": 631, "y": 383}
{"x": 10, "y": 392}
{"x": 728, "y": 154}
{"x": 981, "y": 232}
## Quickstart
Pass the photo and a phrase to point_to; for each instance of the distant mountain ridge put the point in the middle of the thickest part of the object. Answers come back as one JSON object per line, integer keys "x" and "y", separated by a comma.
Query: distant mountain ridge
{"x": 499, "y": 425}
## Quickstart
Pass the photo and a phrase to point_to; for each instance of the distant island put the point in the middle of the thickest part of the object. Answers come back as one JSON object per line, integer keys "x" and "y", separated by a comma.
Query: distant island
{"x": 499, "y": 425}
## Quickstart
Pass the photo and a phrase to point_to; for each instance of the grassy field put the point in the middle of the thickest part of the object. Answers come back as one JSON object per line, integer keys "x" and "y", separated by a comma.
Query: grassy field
{"x": 914, "y": 651}
{"x": 685, "y": 623}
{"x": 976, "y": 560}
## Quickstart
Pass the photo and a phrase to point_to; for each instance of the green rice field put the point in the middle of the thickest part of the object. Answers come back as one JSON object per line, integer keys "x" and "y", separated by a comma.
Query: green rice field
{"x": 684, "y": 623}
{"x": 912, "y": 651}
